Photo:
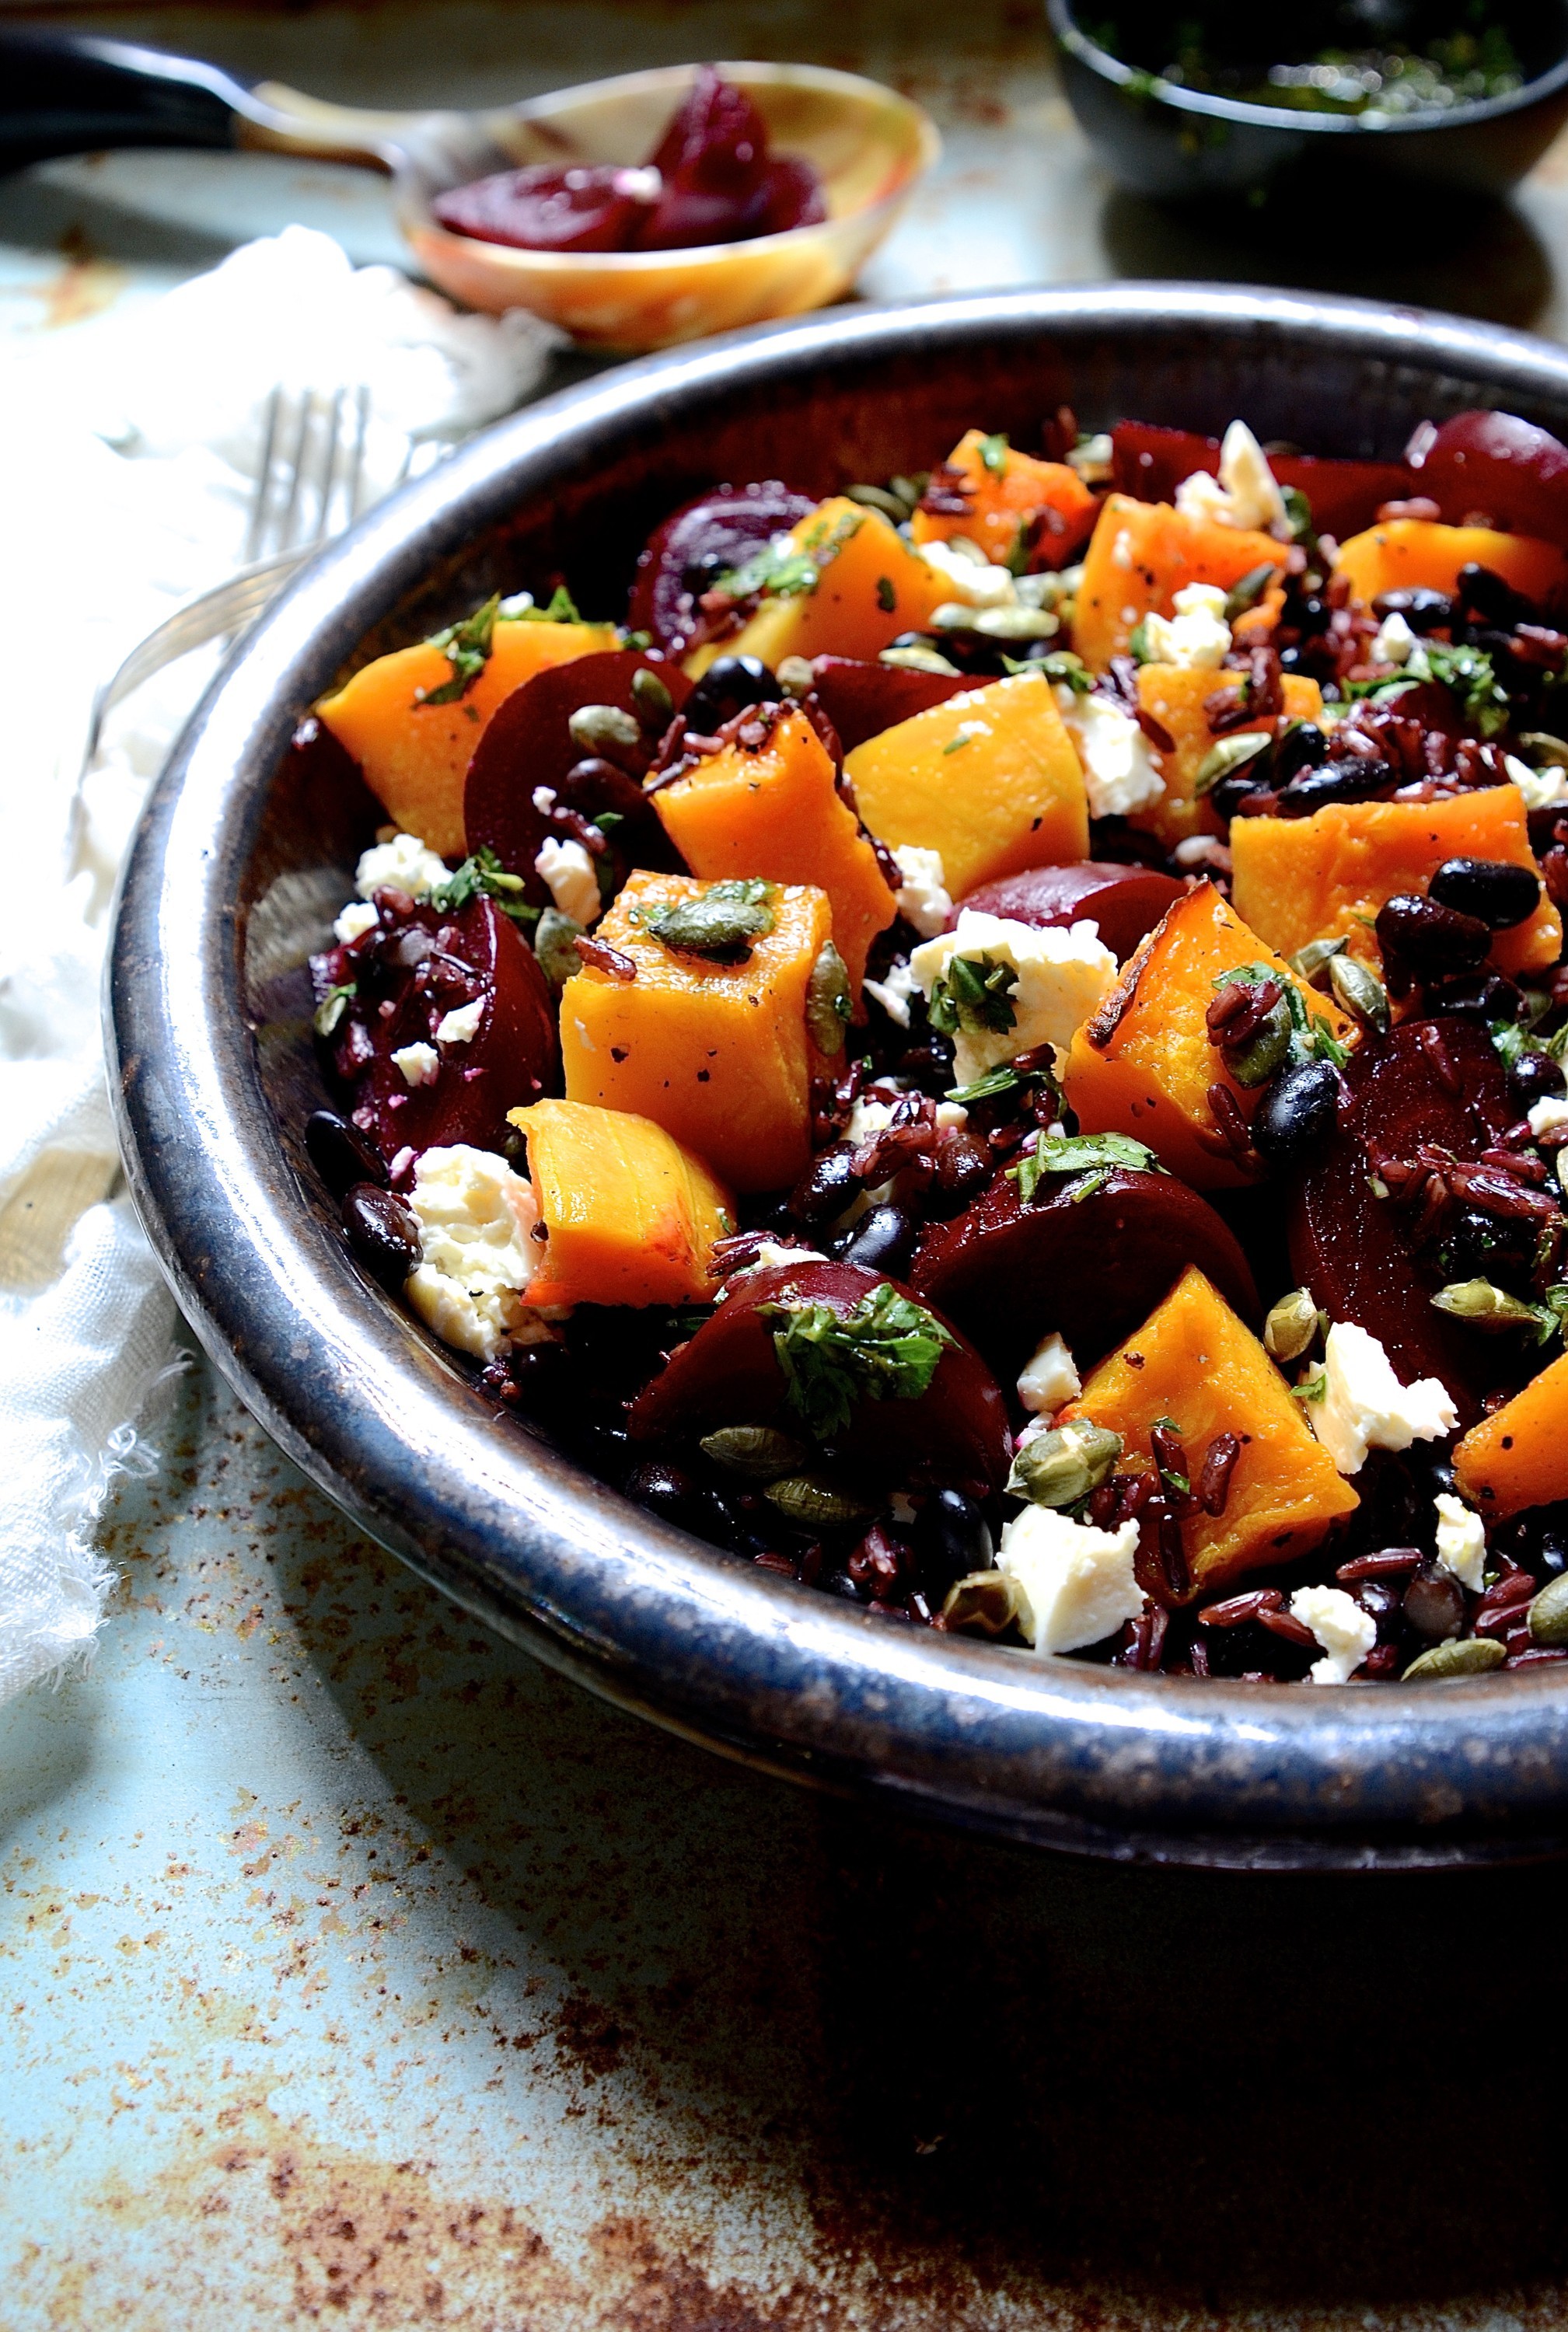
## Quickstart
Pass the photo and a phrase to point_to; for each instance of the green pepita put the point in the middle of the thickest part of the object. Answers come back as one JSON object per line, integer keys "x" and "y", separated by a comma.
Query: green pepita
{"x": 595, "y": 726}
{"x": 1312, "y": 958}
{"x": 1059, "y": 1468}
{"x": 1227, "y": 756}
{"x": 1360, "y": 992}
{"x": 1249, "y": 590}
{"x": 817, "y": 1504}
{"x": 1543, "y": 750}
{"x": 1549, "y": 1612}
{"x": 984, "y": 1603}
{"x": 1481, "y": 1305}
{"x": 653, "y": 701}
{"x": 918, "y": 659}
{"x": 795, "y": 675}
{"x": 1015, "y": 623}
{"x": 720, "y": 923}
{"x": 892, "y": 505}
{"x": 1291, "y": 1326}
{"x": 827, "y": 1001}
{"x": 553, "y": 935}
{"x": 758, "y": 1453}
{"x": 1265, "y": 1052}
{"x": 1464, "y": 1656}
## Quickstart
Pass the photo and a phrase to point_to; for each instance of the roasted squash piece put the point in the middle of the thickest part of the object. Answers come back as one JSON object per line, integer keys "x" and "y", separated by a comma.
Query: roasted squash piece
{"x": 631, "y": 1218}
{"x": 870, "y": 586}
{"x": 1325, "y": 877}
{"x": 1405, "y": 553}
{"x": 991, "y": 779}
{"x": 773, "y": 808}
{"x": 416, "y": 754}
{"x": 1175, "y": 696}
{"x": 1518, "y": 1457}
{"x": 1143, "y": 1064}
{"x": 1017, "y": 505}
{"x": 1141, "y": 554}
{"x": 718, "y": 1053}
{"x": 1193, "y": 1365}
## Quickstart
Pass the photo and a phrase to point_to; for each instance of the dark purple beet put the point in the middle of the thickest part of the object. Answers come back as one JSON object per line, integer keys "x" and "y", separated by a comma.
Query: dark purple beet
{"x": 695, "y": 545}
{"x": 862, "y": 699}
{"x": 1126, "y": 902}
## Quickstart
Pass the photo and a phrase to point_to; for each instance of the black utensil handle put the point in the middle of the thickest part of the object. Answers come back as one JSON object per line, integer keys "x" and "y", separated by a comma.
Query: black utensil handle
{"x": 78, "y": 93}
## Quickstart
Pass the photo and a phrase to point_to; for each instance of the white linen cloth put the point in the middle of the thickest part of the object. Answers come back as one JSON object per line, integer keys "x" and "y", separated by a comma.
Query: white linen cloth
{"x": 128, "y": 458}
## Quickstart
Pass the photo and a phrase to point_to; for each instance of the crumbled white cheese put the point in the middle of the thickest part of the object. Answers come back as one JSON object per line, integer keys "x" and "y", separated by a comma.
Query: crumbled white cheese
{"x": 568, "y": 873}
{"x": 418, "y": 1065}
{"x": 1076, "y": 1583}
{"x": 1548, "y": 1119}
{"x": 1196, "y": 636}
{"x": 1196, "y": 850}
{"x": 922, "y": 896}
{"x": 1093, "y": 459}
{"x": 893, "y": 992}
{"x": 771, "y": 1252}
{"x": 1393, "y": 642}
{"x": 1048, "y": 1381}
{"x": 1345, "y": 1630}
{"x": 544, "y": 799}
{"x": 1063, "y": 976}
{"x": 973, "y": 581}
{"x": 401, "y": 865}
{"x": 1114, "y": 753}
{"x": 1461, "y": 1542}
{"x": 867, "y": 1118}
{"x": 952, "y": 1117}
{"x": 1542, "y": 788}
{"x": 1246, "y": 493}
{"x": 1365, "y": 1407}
{"x": 517, "y": 604}
{"x": 474, "y": 1218}
{"x": 461, "y": 1025}
{"x": 357, "y": 918}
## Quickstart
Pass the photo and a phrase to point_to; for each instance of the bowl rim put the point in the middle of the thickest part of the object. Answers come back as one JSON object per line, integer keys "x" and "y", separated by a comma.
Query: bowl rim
{"x": 1052, "y": 1752}
{"x": 1131, "y": 80}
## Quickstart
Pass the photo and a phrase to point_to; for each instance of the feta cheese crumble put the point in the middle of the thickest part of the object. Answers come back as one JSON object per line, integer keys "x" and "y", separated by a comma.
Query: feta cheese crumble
{"x": 1364, "y": 1405}
{"x": 1345, "y": 1630}
{"x": 970, "y": 575}
{"x": 893, "y": 992}
{"x": 357, "y": 918}
{"x": 1113, "y": 752}
{"x": 475, "y": 1217}
{"x": 1542, "y": 788}
{"x": 1196, "y": 636}
{"x": 568, "y": 873}
{"x": 922, "y": 895}
{"x": 461, "y": 1025}
{"x": 1393, "y": 643}
{"x": 1074, "y": 1583}
{"x": 402, "y": 863}
{"x": 1196, "y": 850}
{"x": 1048, "y": 1380}
{"x": 1245, "y": 495}
{"x": 1063, "y": 976}
{"x": 1461, "y": 1542}
{"x": 417, "y": 1065}
{"x": 1548, "y": 1120}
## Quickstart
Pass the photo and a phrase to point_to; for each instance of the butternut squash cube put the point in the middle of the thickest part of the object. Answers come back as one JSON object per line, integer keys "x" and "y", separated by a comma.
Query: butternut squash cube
{"x": 1141, "y": 554}
{"x": 631, "y": 1216}
{"x": 1404, "y": 553}
{"x": 1195, "y": 1364}
{"x": 717, "y": 1054}
{"x": 1518, "y": 1457}
{"x": 1325, "y": 877}
{"x": 1175, "y": 695}
{"x": 775, "y": 809}
{"x": 990, "y": 778}
{"x": 1143, "y": 1064}
{"x": 1014, "y": 504}
{"x": 415, "y": 755}
{"x": 870, "y": 586}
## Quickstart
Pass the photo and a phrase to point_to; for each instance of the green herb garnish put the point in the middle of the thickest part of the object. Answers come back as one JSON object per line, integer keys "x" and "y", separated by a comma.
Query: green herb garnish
{"x": 888, "y": 1348}
{"x": 993, "y": 452}
{"x": 976, "y": 995}
{"x": 483, "y": 873}
{"x": 886, "y": 596}
{"x": 1096, "y": 1156}
{"x": 332, "y": 1007}
{"x": 466, "y": 648}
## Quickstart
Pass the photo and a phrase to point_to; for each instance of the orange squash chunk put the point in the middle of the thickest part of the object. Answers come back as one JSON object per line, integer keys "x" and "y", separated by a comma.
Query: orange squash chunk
{"x": 1193, "y": 1361}
{"x": 774, "y": 809}
{"x": 716, "y": 1054}
{"x": 870, "y": 586}
{"x": 1325, "y": 877}
{"x": 1143, "y": 1064}
{"x": 1402, "y": 553}
{"x": 1141, "y": 554}
{"x": 415, "y": 755}
{"x": 1014, "y": 501}
{"x": 1518, "y": 1457}
{"x": 1176, "y": 695}
{"x": 989, "y": 778}
{"x": 631, "y": 1216}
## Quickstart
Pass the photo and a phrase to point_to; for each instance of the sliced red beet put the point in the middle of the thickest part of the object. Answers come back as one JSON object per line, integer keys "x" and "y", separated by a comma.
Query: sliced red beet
{"x": 547, "y": 208}
{"x": 528, "y": 745}
{"x": 729, "y": 1374}
{"x": 1496, "y": 465}
{"x": 510, "y": 1060}
{"x": 1126, "y": 902}
{"x": 862, "y": 699}
{"x": 1150, "y": 463}
{"x": 1091, "y": 1270}
{"x": 703, "y": 540}
{"x": 720, "y": 182}
{"x": 1350, "y": 1248}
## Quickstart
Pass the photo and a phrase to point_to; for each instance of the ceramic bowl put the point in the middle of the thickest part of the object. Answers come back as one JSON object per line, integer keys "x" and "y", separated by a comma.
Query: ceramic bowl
{"x": 242, "y": 860}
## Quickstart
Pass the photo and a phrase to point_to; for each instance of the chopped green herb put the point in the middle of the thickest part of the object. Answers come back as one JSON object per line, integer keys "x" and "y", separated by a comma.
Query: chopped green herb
{"x": 332, "y": 1007}
{"x": 466, "y": 648}
{"x": 483, "y": 873}
{"x": 888, "y": 1348}
{"x": 993, "y": 452}
{"x": 1061, "y": 666}
{"x": 720, "y": 923}
{"x": 1468, "y": 672}
{"x": 886, "y": 596}
{"x": 1096, "y": 1155}
{"x": 783, "y": 571}
{"x": 1298, "y": 511}
{"x": 1249, "y": 590}
{"x": 1313, "y": 1388}
{"x": 976, "y": 995}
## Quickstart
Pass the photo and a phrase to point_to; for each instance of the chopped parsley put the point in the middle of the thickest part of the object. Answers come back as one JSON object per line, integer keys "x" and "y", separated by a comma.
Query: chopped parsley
{"x": 784, "y": 569}
{"x": 484, "y": 876}
{"x": 888, "y": 1348}
{"x": 1095, "y": 1156}
{"x": 993, "y": 452}
{"x": 332, "y": 1007}
{"x": 466, "y": 648}
{"x": 975, "y": 994}
{"x": 886, "y": 596}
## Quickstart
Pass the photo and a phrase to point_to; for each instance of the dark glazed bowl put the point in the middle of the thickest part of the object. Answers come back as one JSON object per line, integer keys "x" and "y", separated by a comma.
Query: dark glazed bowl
{"x": 1184, "y": 145}
{"x": 233, "y": 878}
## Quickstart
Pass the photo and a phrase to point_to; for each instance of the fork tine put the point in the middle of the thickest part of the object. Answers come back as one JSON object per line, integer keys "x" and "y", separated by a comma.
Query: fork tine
{"x": 323, "y": 526}
{"x": 357, "y": 463}
{"x": 256, "y": 530}
{"x": 285, "y": 529}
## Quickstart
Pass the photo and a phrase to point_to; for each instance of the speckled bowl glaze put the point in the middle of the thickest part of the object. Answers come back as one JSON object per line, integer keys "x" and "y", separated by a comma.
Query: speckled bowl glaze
{"x": 235, "y": 875}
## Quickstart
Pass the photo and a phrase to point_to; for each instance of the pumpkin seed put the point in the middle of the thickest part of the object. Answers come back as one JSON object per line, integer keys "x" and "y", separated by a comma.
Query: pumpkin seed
{"x": 827, "y": 1004}
{"x": 1227, "y": 755}
{"x": 795, "y": 675}
{"x": 1483, "y": 1305}
{"x": 918, "y": 659}
{"x": 1549, "y": 1612}
{"x": 1464, "y": 1656}
{"x": 816, "y": 1504}
{"x": 1265, "y": 1053}
{"x": 1015, "y": 623}
{"x": 1545, "y": 751}
{"x": 720, "y": 923}
{"x": 758, "y": 1453}
{"x": 553, "y": 935}
{"x": 1291, "y": 1326}
{"x": 653, "y": 701}
{"x": 1249, "y": 590}
{"x": 1059, "y": 1468}
{"x": 986, "y": 1603}
{"x": 1360, "y": 991}
{"x": 594, "y": 726}
{"x": 879, "y": 498}
{"x": 1310, "y": 959}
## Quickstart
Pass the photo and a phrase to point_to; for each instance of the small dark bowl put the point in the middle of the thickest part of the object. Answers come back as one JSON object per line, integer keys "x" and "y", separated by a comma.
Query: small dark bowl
{"x": 244, "y": 857}
{"x": 1184, "y": 145}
